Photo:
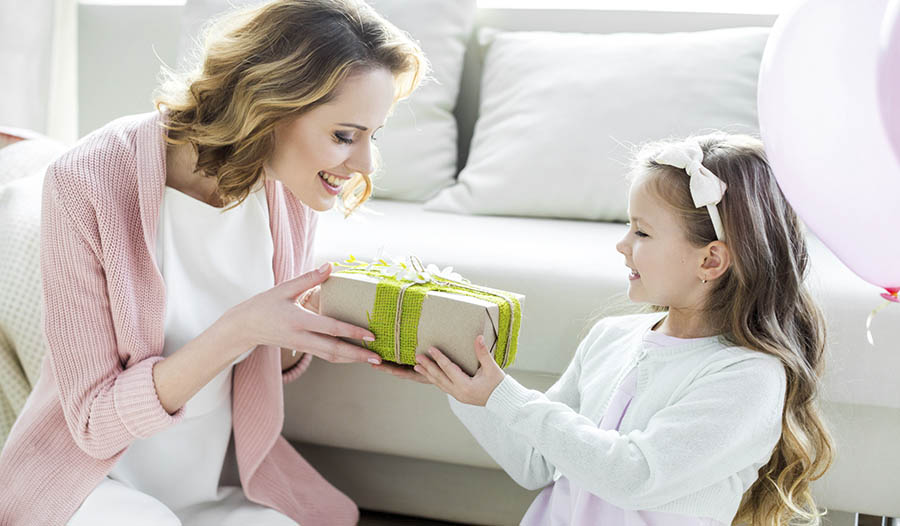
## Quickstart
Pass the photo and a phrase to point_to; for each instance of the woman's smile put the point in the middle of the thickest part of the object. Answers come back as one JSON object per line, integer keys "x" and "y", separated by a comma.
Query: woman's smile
{"x": 332, "y": 183}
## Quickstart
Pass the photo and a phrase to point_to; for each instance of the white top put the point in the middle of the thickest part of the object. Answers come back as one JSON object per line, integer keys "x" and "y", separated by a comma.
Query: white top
{"x": 705, "y": 417}
{"x": 210, "y": 260}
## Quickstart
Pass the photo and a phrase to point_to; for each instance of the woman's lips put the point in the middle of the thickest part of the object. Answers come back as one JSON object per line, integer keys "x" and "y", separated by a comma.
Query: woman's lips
{"x": 634, "y": 275}
{"x": 330, "y": 188}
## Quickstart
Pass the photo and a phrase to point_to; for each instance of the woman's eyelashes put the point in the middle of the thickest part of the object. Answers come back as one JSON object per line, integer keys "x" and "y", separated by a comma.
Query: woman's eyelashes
{"x": 343, "y": 139}
{"x": 348, "y": 139}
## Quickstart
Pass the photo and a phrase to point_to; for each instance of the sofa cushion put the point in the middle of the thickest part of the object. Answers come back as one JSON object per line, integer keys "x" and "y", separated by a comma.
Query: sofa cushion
{"x": 566, "y": 269}
{"x": 560, "y": 114}
{"x": 417, "y": 147}
{"x": 571, "y": 274}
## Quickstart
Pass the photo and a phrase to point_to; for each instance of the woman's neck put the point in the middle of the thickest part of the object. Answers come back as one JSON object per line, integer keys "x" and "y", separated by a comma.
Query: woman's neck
{"x": 181, "y": 174}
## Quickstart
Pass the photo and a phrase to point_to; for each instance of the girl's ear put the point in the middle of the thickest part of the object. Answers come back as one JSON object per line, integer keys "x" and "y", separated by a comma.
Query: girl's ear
{"x": 716, "y": 260}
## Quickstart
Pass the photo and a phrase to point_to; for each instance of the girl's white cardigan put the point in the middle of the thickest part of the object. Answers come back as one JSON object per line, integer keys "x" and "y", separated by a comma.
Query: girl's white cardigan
{"x": 705, "y": 417}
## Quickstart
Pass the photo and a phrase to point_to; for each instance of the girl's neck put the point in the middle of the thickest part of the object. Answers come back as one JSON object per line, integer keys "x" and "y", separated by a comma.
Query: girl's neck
{"x": 679, "y": 324}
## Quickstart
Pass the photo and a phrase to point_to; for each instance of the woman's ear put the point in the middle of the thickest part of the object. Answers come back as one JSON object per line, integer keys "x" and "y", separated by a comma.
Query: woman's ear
{"x": 716, "y": 260}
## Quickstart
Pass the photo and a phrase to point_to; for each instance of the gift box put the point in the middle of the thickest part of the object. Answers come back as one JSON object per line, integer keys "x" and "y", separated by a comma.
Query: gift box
{"x": 411, "y": 308}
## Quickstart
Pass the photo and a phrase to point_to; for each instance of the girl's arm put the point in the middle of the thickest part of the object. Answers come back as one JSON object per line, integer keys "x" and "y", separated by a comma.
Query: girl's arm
{"x": 729, "y": 420}
{"x": 512, "y": 451}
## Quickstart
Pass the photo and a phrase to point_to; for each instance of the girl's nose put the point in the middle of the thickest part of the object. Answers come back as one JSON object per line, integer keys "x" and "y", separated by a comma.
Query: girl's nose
{"x": 622, "y": 246}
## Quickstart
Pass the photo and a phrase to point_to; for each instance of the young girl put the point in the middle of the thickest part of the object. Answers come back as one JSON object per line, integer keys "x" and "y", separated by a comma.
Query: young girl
{"x": 700, "y": 412}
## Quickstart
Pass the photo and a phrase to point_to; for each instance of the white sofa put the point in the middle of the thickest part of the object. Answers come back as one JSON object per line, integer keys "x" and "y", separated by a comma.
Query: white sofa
{"x": 394, "y": 445}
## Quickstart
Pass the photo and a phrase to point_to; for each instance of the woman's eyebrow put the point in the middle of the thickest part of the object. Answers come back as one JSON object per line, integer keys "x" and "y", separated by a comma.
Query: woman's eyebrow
{"x": 357, "y": 126}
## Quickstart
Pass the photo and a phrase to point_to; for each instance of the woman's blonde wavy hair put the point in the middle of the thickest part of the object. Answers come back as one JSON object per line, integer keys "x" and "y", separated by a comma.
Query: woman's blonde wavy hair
{"x": 262, "y": 65}
{"x": 762, "y": 303}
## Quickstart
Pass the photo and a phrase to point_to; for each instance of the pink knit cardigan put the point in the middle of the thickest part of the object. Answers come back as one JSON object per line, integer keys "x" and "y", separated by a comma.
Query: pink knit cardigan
{"x": 104, "y": 301}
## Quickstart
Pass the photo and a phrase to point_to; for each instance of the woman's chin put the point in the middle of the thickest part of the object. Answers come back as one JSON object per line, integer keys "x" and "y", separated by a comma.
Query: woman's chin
{"x": 321, "y": 205}
{"x": 317, "y": 201}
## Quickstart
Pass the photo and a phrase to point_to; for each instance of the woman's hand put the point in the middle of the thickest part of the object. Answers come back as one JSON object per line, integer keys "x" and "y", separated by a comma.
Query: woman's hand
{"x": 448, "y": 377}
{"x": 310, "y": 299}
{"x": 274, "y": 317}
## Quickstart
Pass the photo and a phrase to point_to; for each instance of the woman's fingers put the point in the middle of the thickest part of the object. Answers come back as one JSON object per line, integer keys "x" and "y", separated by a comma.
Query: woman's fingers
{"x": 324, "y": 325}
{"x": 332, "y": 349}
{"x": 293, "y": 288}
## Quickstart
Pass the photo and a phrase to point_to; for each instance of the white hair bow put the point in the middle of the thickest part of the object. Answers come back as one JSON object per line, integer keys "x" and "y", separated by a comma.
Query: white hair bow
{"x": 706, "y": 189}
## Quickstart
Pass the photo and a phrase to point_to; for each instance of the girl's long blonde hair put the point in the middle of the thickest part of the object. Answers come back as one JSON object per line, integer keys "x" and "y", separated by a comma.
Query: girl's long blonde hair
{"x": 262, "y": 65}
{"x": 761, "y": 303}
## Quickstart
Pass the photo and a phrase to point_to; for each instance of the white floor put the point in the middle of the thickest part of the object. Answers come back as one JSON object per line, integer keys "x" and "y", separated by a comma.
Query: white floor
{"x": 834, "y": 518}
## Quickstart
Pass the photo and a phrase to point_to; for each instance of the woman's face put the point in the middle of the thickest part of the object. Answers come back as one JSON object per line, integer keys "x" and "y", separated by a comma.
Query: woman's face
{"x": 317, "y": 152}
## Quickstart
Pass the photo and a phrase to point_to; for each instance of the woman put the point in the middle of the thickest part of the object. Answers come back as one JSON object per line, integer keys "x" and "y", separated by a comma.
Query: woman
{"x": 171, "y": 248}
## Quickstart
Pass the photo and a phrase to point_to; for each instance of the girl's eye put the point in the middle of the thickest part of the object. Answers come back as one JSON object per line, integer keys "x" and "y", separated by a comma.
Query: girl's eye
{"x": 638, "y": 233}
{"x": 374, "y": 135}
{"x": 343, "y": 139}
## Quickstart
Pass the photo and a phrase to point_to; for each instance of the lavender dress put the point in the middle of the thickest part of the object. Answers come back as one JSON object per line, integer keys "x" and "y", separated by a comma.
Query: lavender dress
{"x": 563, "y": 503}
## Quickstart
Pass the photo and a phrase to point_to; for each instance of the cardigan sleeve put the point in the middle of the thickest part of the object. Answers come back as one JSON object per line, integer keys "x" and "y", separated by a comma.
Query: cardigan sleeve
{"x": 105, "y": 405}
{"x": 727, "y": 420}
{"x": 308, "y": 220}
{"x": 512, "y": 451}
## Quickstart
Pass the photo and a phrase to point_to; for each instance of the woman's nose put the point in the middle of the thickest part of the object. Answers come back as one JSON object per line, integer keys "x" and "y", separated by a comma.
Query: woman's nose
{"x": 362, "y": 160}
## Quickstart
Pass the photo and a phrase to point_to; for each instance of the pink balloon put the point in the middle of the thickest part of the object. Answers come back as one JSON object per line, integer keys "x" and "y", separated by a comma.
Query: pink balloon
{"x": 820, "y": 122}
{"x": 889, "y": 75}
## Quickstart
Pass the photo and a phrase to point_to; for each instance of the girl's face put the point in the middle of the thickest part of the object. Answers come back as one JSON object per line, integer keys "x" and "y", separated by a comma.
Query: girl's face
{"x": 666, "y": 269}
{"x": 319, "y": 151}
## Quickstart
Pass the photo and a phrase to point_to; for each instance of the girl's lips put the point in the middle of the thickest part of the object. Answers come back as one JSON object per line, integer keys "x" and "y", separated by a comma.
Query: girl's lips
{"x": 634, "y": 275}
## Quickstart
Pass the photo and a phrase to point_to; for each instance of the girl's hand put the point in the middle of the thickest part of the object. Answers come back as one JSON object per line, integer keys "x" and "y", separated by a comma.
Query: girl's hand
{"x": 473, "y": 390}
{"x": 275, "y": 318}
{"x": 401, "y": 371}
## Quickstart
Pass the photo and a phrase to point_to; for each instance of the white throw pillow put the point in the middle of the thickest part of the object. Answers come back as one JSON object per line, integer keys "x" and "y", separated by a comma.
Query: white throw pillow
{"x": 418, "y": 145}
{"x": 561, "y": 114}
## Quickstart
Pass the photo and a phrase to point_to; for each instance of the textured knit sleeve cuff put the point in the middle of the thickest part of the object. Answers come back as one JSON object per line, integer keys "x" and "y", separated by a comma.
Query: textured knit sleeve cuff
{"x": 508, "y": 398}
{"x": 298, "y": 368}
{"x": 137, "y": 402}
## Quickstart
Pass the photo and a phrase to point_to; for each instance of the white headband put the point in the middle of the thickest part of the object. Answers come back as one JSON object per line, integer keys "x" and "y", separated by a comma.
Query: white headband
{"x": 706, "y": 189}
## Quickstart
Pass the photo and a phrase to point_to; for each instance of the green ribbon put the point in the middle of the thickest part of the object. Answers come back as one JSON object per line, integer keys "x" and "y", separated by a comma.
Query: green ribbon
{"x": 383, "y": 318}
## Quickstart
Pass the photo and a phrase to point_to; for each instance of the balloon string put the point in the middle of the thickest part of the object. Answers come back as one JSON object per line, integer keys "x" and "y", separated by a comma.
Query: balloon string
{"x": 890, "y": 296}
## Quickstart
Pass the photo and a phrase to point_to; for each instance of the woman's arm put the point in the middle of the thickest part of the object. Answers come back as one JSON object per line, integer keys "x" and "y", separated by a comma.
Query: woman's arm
{"x": 106, "y": 402}
{"x": 271, "y": 318}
